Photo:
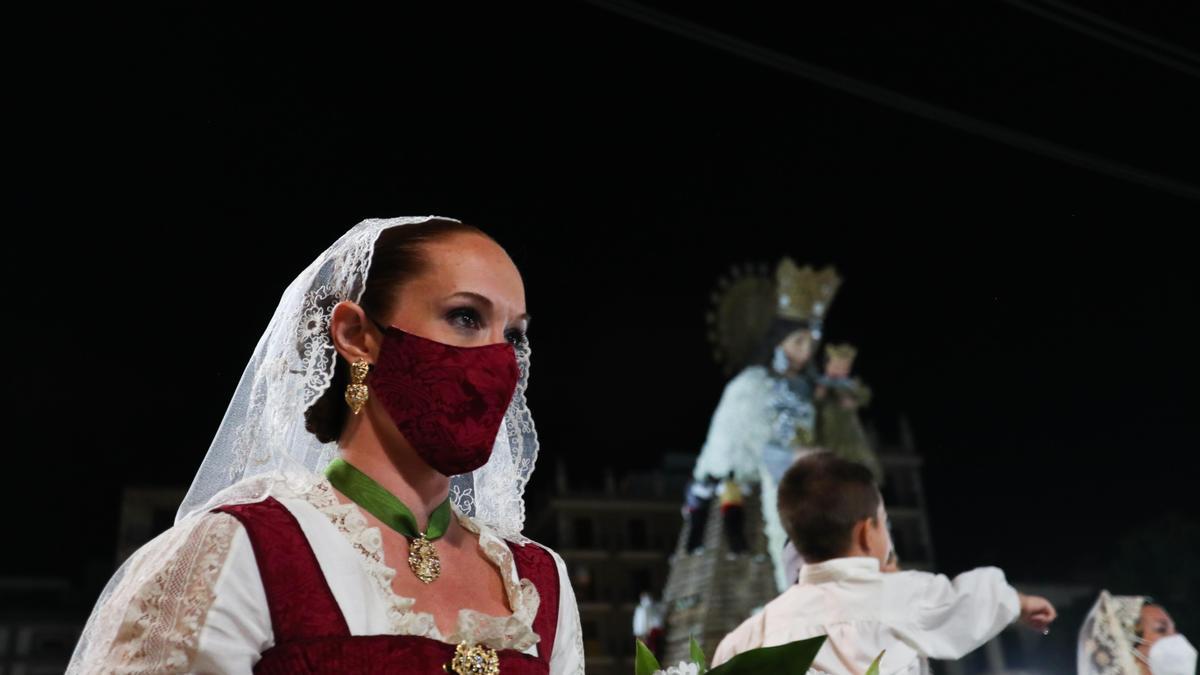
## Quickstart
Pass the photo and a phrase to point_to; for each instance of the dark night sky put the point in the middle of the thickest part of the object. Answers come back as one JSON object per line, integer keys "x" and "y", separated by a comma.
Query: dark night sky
{"x": 1034, "y": 319}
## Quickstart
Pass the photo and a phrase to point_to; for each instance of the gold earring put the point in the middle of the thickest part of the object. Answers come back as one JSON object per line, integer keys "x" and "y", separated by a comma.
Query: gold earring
{"x": 356, "y": 391}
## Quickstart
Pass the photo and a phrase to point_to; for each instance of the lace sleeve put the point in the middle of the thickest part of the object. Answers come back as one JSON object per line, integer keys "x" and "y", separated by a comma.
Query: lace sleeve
{"x": 149, "y": 618}
{"x": 567, "y": 658}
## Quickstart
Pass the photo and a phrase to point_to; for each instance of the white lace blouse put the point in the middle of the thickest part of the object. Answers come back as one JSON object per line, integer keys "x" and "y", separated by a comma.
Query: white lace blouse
{"x": 203, "y": 608}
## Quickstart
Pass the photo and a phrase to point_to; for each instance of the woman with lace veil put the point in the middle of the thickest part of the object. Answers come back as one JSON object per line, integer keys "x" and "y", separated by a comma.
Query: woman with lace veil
{"x": 361, "y": 506}
{"x": 1132, "y": 635}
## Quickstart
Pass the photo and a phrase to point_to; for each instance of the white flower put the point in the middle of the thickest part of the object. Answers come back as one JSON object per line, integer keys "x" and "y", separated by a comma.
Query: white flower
{"x": 684, "y": 668}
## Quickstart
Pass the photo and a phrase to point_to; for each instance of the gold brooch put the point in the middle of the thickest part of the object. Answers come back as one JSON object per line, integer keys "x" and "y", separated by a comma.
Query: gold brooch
{"x": 473, "y": 660}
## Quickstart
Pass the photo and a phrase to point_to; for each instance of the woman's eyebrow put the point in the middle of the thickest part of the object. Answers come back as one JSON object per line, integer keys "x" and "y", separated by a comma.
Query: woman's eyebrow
{"x": 482, "y": 299}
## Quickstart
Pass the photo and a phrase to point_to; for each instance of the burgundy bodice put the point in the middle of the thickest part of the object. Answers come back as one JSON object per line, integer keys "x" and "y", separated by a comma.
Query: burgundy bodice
{"x": 311, "y": 635}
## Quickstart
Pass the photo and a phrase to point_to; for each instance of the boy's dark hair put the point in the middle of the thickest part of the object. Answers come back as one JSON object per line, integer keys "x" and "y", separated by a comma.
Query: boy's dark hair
{"x": 821, "y": 497}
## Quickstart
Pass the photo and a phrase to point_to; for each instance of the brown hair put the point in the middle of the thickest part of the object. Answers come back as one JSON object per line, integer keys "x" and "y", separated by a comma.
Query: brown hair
{"x": 821, "y": 497}
{"x": 398, "y": 258}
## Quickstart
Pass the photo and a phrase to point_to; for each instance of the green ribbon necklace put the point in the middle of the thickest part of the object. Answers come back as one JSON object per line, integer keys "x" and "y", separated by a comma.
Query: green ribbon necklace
{"x": 376, "y": 500}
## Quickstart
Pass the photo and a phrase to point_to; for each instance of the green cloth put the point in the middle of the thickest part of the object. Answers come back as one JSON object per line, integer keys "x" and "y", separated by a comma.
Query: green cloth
{"x": 385, "y": 506}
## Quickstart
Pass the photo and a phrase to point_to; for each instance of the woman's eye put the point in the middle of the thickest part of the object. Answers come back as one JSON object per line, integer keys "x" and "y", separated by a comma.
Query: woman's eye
{"x": 465, "y": 318}
{"x": 515, "y": 337}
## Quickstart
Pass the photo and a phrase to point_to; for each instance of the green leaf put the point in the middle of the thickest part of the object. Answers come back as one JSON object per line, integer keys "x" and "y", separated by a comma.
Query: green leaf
{"x": 794, "y": 658}
{"x": 698, "y": 655}
{"x": 644, "y": 662}
{"x": 874, "y": 669}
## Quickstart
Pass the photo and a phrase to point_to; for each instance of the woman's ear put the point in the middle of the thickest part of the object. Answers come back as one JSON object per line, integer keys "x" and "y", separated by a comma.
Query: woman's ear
{"x": 353, "y": 337}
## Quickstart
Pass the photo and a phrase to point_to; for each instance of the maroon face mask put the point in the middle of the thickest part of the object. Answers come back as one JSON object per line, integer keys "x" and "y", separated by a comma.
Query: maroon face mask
{"x": 448, "y": 401}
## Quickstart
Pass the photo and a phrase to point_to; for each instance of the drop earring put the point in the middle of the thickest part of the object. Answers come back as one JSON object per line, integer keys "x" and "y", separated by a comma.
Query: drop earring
{"x": 356, "y": 391}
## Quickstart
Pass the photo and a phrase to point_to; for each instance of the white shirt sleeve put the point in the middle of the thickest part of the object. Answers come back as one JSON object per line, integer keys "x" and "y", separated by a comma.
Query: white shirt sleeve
{"x": 567, "y": 658}
{"x": 237, "y": 629}
{"x": 948, "y": 619}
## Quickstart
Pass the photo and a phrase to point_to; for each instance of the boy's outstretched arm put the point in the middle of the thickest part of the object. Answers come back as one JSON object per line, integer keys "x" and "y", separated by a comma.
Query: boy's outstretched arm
{"x": 947, "y": 619}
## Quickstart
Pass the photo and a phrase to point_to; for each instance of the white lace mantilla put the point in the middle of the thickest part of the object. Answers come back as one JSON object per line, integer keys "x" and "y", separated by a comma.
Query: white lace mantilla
{"x": 1107, "y": 639}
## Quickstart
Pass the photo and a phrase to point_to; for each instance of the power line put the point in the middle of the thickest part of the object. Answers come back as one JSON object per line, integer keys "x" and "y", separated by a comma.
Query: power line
{"x": 895, "y": 100}
{"x": 1126, "y": 45}
{"x": 1126, "y": 30}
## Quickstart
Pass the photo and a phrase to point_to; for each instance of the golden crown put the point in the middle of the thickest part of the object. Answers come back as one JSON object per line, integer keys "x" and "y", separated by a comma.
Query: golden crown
{"x": 804, "y": 293}
{"x": 843, "y": 351}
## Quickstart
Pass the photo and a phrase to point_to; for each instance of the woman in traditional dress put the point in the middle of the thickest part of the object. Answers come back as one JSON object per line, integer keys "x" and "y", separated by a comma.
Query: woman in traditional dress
{"x": 360, "y": 508}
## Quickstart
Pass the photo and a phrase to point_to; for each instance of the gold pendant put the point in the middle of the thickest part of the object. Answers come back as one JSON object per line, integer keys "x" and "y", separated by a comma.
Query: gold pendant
{"x": 473, "y": 660}
{"x": 423, "y": 559}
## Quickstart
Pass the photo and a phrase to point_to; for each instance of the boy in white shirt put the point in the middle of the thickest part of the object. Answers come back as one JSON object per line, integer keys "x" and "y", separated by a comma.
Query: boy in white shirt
{"x": 833, "y": 512}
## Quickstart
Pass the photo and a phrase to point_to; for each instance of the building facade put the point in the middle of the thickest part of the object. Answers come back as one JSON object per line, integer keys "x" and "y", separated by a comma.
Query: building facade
{"x": 615, "y": 539}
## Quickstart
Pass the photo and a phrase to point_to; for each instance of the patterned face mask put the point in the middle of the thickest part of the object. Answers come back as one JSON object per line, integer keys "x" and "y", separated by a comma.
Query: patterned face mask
{"x": 448, "y": 401}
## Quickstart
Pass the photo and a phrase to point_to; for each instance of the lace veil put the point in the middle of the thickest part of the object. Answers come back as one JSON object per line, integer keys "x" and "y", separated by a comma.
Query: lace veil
{"x": 262, "y": 444}
{"x": 1107, "y": 639}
